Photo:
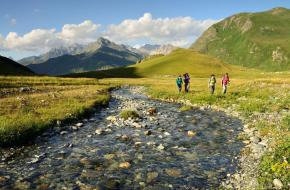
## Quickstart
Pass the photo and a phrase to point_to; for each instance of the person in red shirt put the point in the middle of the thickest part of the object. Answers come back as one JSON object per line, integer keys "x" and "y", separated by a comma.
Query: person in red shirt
{"x": 225, "y": 82}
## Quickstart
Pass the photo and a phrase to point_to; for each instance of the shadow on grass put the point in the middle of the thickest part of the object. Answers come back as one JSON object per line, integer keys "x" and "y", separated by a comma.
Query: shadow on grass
{"x": 121, "y": 72}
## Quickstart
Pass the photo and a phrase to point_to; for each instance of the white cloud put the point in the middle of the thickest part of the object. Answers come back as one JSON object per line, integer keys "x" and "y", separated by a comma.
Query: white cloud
{"x": 177, "y": 30}
{"x": 81, "y": 33}
{"x": 12, "y": 21}
{"x": 40, "y": 40}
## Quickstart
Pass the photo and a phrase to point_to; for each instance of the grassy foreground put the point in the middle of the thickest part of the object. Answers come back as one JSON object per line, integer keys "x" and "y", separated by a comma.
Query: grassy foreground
{"x": 262, "y": 101}
{"x": 29, "y": 105}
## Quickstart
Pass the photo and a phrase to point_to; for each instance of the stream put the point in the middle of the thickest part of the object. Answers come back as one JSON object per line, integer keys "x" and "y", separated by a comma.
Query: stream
{"x": 169, "y": 149}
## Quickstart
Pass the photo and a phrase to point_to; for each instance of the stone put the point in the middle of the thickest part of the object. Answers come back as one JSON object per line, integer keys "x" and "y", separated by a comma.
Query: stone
{"x": 75, "y": 128}
{"x": 277, "y": 183}
{"x": 151, "y": 176}
{"x": 152, "y": 111}
{"x": 137, "y": 125}
{"x": 255, "y": 139}
{"x": 99, "y": 131}
{"x": 191, "y": 133}
{"x": 79, "y": 124}
{"x": 124, "y": 138}
{"x": 173, "y": 172}
{"x": 63, "y": 132}
{"x": 124, "y": 165}
{"x": 109, "y": 156}
{"x": 167, "y": 134}
{"x": 161, "y": 147}
{"x": 111, "y": 119}
{"x": 148, "y": 132}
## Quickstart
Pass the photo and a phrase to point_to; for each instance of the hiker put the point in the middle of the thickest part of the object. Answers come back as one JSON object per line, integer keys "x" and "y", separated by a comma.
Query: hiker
{"x": 211, "y": 83}
{"x": 225, "y": 82}
{"x": 186, "y": 82}
{"x": 179, "y": 83}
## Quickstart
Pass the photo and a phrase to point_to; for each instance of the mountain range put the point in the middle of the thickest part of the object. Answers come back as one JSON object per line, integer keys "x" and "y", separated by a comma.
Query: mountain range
{"x": 258, "y": 40}
{"x": 101, "y": 54}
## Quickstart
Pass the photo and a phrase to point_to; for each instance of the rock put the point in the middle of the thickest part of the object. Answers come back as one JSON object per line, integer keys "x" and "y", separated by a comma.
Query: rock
{"x": 167, "y": 134}
{"x": 99, "y": 131}
{"x": 152, "y": 111}
{"x": 151, "y": 176}
{"x": 124, "y": 138}
{"x": 277, "y": 183}
{"x": 75, "y": 128}
{"x": 173, "y": 172}
{"x": 42, "y": 187}
{"x": 23, "y": 185}
{"x": 111, "y": 119}
{"x": 191, "y": 133}
{"x": 160, "y": 147}
{"x": 246, "y": 142}
{"x": 136, "y": 125}
{"x": 63, "y": 132}
{"x": 124, "y": 165}
{"x": 148, "y": 132}
{"x": 79, "y": 124}
{"x": 255, "y": 139}
{"x": 58, "y": 122}
{"x": 109, "y": 156}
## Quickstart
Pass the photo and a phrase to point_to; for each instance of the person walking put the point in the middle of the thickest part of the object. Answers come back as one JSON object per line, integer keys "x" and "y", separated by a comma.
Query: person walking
{"x": 179, "y": 83}
{"x": 186, "y": 82}
{"x": 211, "y": 84}
{"x": 225, "y": 83}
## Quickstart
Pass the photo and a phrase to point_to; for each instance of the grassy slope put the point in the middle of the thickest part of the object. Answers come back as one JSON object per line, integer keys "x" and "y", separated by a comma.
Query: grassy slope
{"x": 230, "y": 41}
{"x": 23, "y": 115}
{"x": 178, "y": 62}
{"x": 10, "y": 67}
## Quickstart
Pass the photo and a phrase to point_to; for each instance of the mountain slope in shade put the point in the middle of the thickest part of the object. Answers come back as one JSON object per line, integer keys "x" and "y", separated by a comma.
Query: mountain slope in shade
{"x": 55, "y": 52}
{"x": 102, "y": 54}
{"x": 258, "y": 40}
{"x": 10, "y": 67}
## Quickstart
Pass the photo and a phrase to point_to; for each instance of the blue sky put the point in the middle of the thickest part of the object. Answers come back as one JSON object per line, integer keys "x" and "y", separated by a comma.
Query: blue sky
{"x": 23, "y": 16}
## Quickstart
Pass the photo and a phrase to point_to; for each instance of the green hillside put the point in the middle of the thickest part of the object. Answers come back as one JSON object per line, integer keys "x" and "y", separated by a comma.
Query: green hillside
{"x": 178, "y": 62}
{"x": 259, "y": 40}
{"x": 10, "y": 67}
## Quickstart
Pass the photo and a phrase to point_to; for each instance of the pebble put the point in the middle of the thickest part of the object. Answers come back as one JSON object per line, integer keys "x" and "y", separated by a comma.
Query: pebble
{"x": 173, "y": 172}
{"x": 124, "y": 165}
{"x": 161, "y": 147}
{"x": 63, "y": 132}
{"x": 277, "y": 183}
{"x": 151, "y": 176}
{"x": 191, "y": 133}
{"x": 79, "y": 124}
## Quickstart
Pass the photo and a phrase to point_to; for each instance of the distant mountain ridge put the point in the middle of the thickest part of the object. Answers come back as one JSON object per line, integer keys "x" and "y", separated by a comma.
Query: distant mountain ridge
{"x": 102, "y": 54}
{"x": 55, "y": 52}
{"x": 156, "y": 49}
{"x": 258, "y": 40}
{"x": 10, "y": 67}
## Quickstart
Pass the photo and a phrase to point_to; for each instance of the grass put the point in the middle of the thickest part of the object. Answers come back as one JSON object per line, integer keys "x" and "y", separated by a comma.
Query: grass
{"x": 254, "y": 47}
{"x": 126, "y": 114}
{"x": 23, "y": 115}
{"x": 185, "y": 108}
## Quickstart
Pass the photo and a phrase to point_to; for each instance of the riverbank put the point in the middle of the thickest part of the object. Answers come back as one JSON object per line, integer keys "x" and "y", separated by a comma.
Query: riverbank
{"x": 30, "y": 105}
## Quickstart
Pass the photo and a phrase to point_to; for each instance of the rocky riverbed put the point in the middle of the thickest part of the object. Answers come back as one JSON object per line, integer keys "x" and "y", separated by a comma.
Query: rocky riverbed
{"x": 163, "y": 149}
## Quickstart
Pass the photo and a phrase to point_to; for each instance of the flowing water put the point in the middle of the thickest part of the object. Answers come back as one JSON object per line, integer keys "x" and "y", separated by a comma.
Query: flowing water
{"x": 154, "y": 152}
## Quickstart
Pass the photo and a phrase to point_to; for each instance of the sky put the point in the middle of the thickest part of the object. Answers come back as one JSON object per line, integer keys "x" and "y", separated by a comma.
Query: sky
{"x": 32, "y": 27}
